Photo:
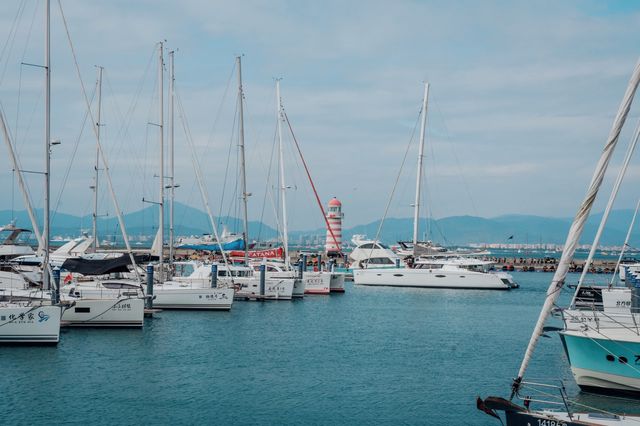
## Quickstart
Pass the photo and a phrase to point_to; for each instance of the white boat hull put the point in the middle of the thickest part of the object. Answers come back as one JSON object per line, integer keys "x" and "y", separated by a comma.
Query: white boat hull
{"x": 116, "y": 312}
{"x": 193, "y": 298}
{"x": 317, "y": 282}
{"x": 30, "y": 324}
{"x": 432, "y": 278}
{"x": 274, "y": 288}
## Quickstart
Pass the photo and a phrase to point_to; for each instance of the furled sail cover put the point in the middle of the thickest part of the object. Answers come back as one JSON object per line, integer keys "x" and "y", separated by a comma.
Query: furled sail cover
{"x": 103, "y": 266}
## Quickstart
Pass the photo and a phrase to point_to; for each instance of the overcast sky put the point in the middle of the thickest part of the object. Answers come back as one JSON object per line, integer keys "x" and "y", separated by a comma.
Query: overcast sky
{"x": 522, "y": 98}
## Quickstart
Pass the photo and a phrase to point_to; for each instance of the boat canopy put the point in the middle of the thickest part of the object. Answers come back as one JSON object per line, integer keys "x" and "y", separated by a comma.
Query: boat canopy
{"x": 104, "y": 266}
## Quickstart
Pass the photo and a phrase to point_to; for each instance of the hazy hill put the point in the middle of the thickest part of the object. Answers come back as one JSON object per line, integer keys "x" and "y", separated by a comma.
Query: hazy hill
{"x": 455, "y": 230}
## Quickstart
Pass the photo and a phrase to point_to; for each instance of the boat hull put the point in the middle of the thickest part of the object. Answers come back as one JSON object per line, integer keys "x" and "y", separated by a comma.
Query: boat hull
{"x": 317, "y": 282}
{"x": 274, "y": 288}
{"x": 553, "y": 418}
{"x": 30, "y": 324}
{"x": 219, "y": 299}
{"x": 608, "y": 366}
{"x": 118, "y": 312}
{"x": 431, "y": 278}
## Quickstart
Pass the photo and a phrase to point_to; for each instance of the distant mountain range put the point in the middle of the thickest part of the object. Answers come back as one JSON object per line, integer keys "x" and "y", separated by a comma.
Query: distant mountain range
{"x": 454, "y": 230}
{"x": 461, "y": 230}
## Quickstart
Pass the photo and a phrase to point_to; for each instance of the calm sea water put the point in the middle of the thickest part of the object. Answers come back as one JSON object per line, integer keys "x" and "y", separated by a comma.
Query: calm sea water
{"x": 372, "y": 355}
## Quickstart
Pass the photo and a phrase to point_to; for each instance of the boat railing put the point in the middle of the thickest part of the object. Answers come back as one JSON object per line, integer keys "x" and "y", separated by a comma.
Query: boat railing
{"x": 544, "y": 393}
{"x": 573, "y": 408}
{"x": 615, "y": 321}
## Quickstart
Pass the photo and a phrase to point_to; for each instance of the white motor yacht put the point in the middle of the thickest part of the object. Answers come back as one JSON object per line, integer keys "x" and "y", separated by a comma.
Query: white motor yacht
{"x": 13, "y": 242}
{"x": 370, "y": 253}
{"x": 458, "y": 273}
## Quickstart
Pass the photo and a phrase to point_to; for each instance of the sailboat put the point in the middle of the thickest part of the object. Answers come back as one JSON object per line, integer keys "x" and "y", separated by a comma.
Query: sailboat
{"x": 276, "y": 268}
{"x": 36, "y": 321}
{"x": 95, "y": 310}
{"x": 169, "y": 292}
{"x": 280, "y": 287}
{"x": 430, "y": 273}
{"x": 596, "y": 341}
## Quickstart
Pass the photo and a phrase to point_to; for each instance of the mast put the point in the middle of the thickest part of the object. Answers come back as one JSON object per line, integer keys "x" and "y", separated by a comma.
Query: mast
{"x": 607, "y": 211}
{"x": 243, "y": 174}
{"x": 161, "y": 147}
{"x": 626, "y": 243}
{"x": 95, "y": 176}
{"x": 578, "y": 223}
{"x": 416, "y": 206}
{"x": 171, "y": 155}
{"x": 283, "y": 186}
{"x": 46, "y": 283}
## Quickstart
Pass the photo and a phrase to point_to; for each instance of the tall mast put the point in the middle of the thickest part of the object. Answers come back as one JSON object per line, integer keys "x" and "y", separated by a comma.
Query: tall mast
{"x": 243, "y": 174}
{"x": 161, "y": 147}
{"x": 46, "y": 284}
{"x": 416, "y": 206}
{"x": 95, "y": 176}
{"x": 171, "y": 155}
{"x": 283, "y": 186}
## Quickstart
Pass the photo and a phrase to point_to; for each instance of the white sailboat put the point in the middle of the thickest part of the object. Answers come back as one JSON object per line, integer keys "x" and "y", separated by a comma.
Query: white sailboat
{"x": 244, "y": 279}
{"x": 174, "y": 293}
{"x": 35, "y": 321}
{"x": 452, "y": 273}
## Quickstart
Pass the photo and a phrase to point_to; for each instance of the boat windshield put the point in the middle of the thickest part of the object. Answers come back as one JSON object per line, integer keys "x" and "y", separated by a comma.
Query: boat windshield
{"x": 373, "y": 246}
{"x": 379, "y": 261}
{"x": 15, "y": 236}
{"x": 476, "y": 268}
{"x": 183, "y": 269}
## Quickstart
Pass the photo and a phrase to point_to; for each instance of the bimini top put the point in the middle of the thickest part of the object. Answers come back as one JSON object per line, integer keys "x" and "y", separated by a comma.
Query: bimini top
{"x": 13, "y": 233}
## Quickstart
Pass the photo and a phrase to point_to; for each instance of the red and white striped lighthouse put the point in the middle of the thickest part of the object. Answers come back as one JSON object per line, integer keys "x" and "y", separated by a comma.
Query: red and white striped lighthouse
{"x": 334, "y": 217}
